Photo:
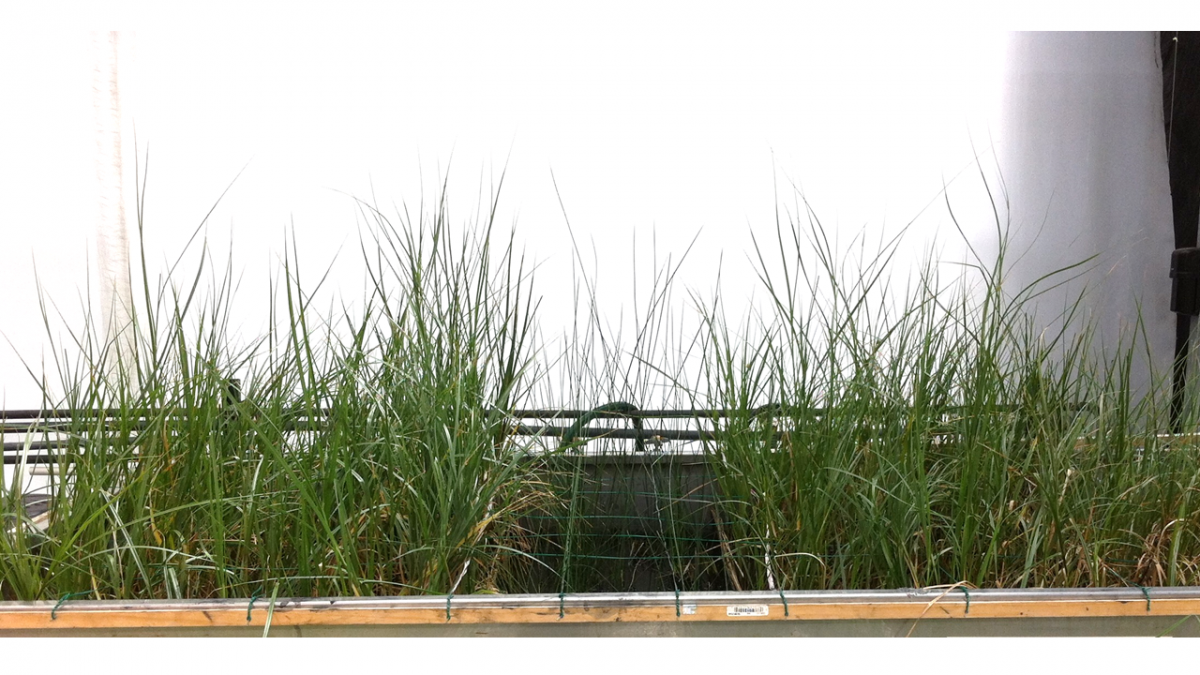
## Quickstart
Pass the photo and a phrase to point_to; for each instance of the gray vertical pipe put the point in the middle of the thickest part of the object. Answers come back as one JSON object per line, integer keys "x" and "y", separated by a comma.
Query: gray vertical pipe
{"x": 1084, "y": 160}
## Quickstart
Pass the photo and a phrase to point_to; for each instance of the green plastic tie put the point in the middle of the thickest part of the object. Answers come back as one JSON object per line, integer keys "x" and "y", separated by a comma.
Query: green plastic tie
{"x": 448, "y": 599}
{"x": 968, "y": 594}
{"x": 1145, "y": 592}
{"x": 62, "y": 601}
{"x": 560, "y": 605}
{"x": 257, "y": 594}
{"x": 785, "y": 605}
{"x": 677, "y": 603}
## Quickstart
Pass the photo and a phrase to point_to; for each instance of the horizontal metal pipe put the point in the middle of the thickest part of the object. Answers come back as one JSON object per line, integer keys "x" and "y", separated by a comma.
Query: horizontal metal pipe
{"x": 528, "y": 413}
{"x": 12, "y": 449}
{"x": 650, "y": 413}
{"x": 34, "y": 446}
{"x": 539, "y": 413}
{"x": 551, "y": 431}
{"x": 33, "y": 428}
{"x": 13, "y": 460}
{"x": 576, "y": 600}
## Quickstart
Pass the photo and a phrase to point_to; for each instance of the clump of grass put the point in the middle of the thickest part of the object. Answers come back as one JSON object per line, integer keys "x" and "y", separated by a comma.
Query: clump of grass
{"x": 408, "y": 484}
{"x": 944, "y": 441}
{"x": 879, "y": 437}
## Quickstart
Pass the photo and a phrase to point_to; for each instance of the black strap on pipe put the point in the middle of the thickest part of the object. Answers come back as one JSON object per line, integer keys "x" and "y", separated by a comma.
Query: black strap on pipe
{"x": 1181, "y": 116}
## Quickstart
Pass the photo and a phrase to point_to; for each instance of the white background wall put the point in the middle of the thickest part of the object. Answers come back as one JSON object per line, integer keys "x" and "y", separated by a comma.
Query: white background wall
{"x": 656, "y": 123}
{"x": 661, "y": 123}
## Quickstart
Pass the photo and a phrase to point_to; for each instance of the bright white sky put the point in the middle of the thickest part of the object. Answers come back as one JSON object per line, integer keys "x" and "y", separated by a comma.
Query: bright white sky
{"x": 663, "y": 123}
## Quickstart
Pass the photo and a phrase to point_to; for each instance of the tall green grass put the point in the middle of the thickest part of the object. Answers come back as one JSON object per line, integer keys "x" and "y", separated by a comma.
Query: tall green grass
{"x": 884, "y": 432}
{"x": 406, "y": 485}
{"x": 945, "y": 439}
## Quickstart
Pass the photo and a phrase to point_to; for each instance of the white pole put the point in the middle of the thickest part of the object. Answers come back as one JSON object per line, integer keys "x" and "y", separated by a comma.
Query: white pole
{"x": 112, "y": 240}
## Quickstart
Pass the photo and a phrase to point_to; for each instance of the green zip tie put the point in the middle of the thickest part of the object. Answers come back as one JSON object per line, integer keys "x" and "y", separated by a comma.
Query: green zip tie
{"x": 785, "y": 605}
{"x": 968, "y": 594}
{"x": 62, "y": 601}
{"x": 1145, "y": 592}
{"x": 448, "y": 598}
{"x": 560, "y": 605}
{"x": 257, "y": 594}
{"x": 677, "y": 603}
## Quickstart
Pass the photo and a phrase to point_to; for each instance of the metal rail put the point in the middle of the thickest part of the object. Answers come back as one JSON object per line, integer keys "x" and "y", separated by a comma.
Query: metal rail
{"x": 940, "y": 610}
{"x": 40, "y": 421}
{"x": 530, "y": 413}
{"x": 523, "y": 413}
{"x": 59, "y": 422}
{"x": 977, "y": 597}
{"x": 38, "y": 449}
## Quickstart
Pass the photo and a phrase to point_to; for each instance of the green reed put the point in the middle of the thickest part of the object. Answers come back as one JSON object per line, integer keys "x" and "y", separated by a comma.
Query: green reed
{"x": 194, "y": 489}
{"x": 940, "y": 439}
{"x": 917, "y": 433}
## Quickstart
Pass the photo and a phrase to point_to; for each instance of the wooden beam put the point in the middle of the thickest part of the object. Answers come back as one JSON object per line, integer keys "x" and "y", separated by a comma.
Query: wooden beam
{"x": 43, "y": 616}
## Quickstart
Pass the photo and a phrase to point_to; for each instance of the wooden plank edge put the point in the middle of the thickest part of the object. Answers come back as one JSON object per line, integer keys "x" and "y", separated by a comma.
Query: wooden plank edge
{"x": 91, "y": 618}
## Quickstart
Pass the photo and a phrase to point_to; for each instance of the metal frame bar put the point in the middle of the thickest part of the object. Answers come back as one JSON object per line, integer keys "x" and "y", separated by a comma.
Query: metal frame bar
{"x": 954, "y": 602}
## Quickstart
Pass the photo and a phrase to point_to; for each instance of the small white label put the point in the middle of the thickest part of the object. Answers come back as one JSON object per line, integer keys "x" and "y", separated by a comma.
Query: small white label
{"x": 688, "y": 609}
{"x": 747, "y": 610}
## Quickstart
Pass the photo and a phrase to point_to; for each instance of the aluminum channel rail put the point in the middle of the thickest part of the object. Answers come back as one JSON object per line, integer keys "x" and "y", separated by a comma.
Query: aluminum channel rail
{"x": 933, "y": 603}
